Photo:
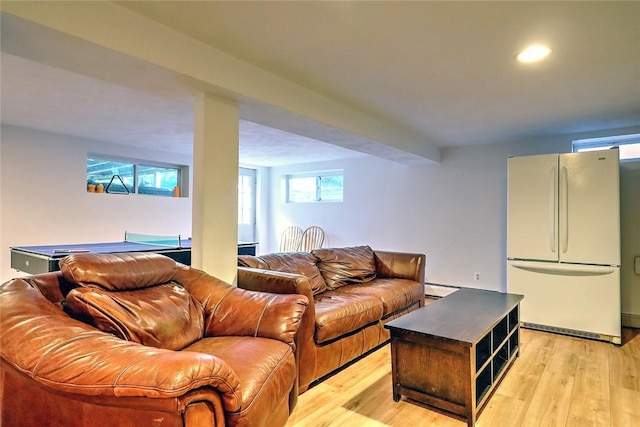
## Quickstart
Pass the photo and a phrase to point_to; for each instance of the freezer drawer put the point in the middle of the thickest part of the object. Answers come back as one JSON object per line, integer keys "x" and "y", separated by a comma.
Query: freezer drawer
{"x": 577, "y": 300}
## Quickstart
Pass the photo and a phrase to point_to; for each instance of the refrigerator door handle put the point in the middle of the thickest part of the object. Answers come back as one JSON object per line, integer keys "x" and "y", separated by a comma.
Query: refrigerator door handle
{"x": 564, "y": 269}
{"x": 552, "y": 209}
{"x": 564, "y": 209}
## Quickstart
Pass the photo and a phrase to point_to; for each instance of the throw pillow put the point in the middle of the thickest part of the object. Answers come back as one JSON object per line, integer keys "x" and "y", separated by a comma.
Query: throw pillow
{"x": 163, "y": 316}
{"x": 346, "y": 266}
{"x": 118, "y": 272}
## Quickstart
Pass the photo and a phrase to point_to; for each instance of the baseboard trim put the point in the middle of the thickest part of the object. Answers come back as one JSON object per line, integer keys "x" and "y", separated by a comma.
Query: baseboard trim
{"x": 631, "y": 320}
{"x": 438, "y": 291}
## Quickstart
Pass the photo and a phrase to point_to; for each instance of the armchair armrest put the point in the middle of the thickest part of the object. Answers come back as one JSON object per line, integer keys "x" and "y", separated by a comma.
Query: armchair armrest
{"x": 286, "y": 283}
{"x": 41, "y": 341}
{"x": 234, "y": 311}
{"x": 401, "y": 265}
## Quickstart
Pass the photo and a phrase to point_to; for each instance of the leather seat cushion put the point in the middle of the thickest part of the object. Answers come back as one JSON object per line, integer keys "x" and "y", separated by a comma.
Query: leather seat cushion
{"x": 264, "y": 381}
{"x": 395, "y": 294}
{"x": 164, "y": 316}
{"x": 339, "y": 314}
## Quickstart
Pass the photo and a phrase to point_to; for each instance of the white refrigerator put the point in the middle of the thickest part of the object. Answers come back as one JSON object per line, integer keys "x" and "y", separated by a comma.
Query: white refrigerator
{"x": 563, "y": 242}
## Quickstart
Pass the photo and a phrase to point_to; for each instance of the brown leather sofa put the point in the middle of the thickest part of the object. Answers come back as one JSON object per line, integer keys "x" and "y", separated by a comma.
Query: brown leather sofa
{"x": 353, "y": 292}
{"x": 138, "y": 340}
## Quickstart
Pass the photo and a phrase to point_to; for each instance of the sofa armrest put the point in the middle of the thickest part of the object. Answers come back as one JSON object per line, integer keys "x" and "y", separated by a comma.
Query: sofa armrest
{"x": 231, "y": 311}
{"x": 43, "y": 342}
{"x": 401, "y": 265}
{"x": 255, "y": 279}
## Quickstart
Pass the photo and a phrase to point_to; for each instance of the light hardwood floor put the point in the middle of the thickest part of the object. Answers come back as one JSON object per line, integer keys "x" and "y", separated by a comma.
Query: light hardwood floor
{"x": 556, "y": 381}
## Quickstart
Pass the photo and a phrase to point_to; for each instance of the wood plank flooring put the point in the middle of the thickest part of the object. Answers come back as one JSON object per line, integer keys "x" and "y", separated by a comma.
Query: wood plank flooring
{"x": 557, "y": 381}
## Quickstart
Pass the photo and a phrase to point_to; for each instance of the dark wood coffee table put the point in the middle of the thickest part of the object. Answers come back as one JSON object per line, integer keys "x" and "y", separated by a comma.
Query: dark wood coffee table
{"x": 452, "y": 353}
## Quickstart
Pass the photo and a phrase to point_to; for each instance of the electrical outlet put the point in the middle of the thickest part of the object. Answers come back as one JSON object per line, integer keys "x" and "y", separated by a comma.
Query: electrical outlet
{"x": 476, "y": 276}
{"x": 636, "y": 265}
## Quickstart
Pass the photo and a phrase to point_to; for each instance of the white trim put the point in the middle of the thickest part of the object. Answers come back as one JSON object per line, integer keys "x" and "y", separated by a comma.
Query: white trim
{"x": 434, "y": 290}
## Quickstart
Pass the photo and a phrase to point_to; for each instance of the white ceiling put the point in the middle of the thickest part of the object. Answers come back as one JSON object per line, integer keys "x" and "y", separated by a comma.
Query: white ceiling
{"x": 444, "y": 70}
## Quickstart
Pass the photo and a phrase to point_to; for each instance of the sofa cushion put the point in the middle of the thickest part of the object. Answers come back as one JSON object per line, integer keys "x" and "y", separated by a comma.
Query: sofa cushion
{"x": 163, "y": 316}
{"x": 345, "y": 266}
{"x": 303, "y": 263}
{"x": 118, "y": 272}
{"x": 252, "y": 261}
{"x": 339, "y": 314}
{"x": 395, "y": 294}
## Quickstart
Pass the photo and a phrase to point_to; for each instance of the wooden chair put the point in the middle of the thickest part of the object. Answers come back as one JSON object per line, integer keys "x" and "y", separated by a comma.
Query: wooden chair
{"x": 312, "y": 238}
{"x": 291, "y": 239}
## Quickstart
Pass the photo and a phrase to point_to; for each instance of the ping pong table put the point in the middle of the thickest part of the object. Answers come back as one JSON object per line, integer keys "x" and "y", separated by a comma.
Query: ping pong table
{"x": 43, "y": 259}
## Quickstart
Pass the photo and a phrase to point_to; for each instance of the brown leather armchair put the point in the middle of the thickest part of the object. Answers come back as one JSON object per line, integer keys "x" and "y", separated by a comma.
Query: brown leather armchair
{"x": 138, "y": 340}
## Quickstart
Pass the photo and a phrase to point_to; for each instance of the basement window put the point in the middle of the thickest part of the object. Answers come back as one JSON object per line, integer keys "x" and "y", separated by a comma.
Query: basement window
{"x": 629, "y": 145}
{"x": 125, "y": 176}
{"x": 325, "y": 186}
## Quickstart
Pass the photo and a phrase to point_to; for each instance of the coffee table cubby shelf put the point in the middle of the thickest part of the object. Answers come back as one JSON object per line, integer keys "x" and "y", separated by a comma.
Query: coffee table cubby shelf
{"x": 452, "y": 354}
{"x": 494, "y": 351}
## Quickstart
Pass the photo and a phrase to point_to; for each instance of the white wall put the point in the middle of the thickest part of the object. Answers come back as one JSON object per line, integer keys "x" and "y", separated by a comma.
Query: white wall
{"x": 454, "y": 212}
{"x": 630, "y": 242}
{"x": 44, "y": 198}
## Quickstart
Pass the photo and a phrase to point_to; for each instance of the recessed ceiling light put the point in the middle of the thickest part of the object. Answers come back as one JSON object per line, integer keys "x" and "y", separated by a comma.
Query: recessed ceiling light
{"x": 533, "y": 53}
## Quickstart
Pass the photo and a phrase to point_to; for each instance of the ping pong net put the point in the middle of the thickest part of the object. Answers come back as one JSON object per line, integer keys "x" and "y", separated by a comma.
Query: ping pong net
{"x": 152, "y": 239}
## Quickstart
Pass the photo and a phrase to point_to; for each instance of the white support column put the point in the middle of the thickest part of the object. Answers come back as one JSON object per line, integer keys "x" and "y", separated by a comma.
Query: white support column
{"x": 215, "y": 186}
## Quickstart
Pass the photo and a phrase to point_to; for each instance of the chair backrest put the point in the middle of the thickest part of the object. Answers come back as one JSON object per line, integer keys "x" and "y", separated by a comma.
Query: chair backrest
{"x": 291, "y": 239}
{"x": 312, "y": 238}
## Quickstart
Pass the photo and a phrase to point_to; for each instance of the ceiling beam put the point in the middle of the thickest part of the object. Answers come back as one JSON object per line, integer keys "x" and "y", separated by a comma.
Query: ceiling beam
{"x": 154, "y": 58}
